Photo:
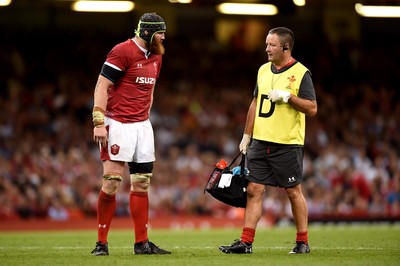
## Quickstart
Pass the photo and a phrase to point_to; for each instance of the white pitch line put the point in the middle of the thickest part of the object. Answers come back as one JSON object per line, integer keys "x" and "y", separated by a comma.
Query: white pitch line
{"x": 199, "y": 248}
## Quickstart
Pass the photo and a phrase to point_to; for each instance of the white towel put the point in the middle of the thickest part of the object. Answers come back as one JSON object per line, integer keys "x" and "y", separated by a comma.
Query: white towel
{"x": 225, "y": 180}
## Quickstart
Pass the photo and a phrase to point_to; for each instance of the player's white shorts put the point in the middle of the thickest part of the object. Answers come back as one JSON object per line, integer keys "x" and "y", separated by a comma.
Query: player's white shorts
{"x": 129, "y": 142}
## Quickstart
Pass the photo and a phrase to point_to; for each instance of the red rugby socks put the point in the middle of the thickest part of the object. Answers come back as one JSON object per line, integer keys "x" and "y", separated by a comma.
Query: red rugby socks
{"x": 139, "y": 206}
{"x": 106, "y": 205}
{"x": 302, "y": 237}
{"x": 248, "y": 235}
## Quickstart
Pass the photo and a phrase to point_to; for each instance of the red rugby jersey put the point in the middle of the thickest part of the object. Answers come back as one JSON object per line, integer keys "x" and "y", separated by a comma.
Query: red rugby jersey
{"x": 129, "y": 100}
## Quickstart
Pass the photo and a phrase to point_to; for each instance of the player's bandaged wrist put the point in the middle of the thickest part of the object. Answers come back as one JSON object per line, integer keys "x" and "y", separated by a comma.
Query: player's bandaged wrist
{"x": 98, "y": 116}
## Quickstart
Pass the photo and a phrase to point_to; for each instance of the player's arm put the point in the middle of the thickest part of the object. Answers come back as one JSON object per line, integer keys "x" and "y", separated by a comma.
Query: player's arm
{"x": 109, "y": 74}
{"x": 100, "y": 104}
{"x": 101, "y": 92}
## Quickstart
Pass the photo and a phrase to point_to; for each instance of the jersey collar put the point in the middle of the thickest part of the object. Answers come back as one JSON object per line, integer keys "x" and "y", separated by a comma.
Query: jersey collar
{"x": 145, "y": 51}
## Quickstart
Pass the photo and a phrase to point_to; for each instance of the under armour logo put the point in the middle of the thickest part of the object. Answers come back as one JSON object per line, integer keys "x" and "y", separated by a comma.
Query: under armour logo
{"x": 139, "y": 65}
{"x": 292, "y": 179}
{"x": 102, "y": 225}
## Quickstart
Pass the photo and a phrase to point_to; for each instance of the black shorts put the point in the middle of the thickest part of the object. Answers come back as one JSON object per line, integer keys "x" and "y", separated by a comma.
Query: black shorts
{"x": 275, "y": 164}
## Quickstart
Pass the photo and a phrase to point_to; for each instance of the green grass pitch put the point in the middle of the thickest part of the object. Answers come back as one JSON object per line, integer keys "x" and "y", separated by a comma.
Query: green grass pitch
{"x": 330, "y": 245}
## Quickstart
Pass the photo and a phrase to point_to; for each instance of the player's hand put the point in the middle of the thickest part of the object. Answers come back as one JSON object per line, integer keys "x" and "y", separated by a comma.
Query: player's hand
{"x": 100, "y": 136}
{"x": 279, "y": 95}
{"x": 244, "y": 143}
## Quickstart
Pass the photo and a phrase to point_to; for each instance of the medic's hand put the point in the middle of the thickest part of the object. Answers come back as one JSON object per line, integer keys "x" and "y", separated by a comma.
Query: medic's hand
{"x": 244, "y": 143}
{"x": 279, "y": 95}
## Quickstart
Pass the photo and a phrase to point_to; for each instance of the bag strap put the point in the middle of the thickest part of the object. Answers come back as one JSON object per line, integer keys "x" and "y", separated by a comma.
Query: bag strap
{"x": 234, "y": 160}
{"x": 242, "y": 164}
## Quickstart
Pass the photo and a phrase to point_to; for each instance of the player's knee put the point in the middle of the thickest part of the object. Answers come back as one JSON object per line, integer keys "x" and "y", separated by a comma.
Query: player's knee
{"x": 111, "y": 183}
{"x": 112, "y": 177}
{"x": 140, "y": 174}
{"x": 140, "y": 182}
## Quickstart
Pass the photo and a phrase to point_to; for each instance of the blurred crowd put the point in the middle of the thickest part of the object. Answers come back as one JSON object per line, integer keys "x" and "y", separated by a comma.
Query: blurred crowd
{"x": 50, "y": 167}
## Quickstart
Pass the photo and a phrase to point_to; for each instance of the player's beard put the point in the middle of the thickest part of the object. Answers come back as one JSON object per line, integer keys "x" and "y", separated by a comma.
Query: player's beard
{"x": 157, "y": 47}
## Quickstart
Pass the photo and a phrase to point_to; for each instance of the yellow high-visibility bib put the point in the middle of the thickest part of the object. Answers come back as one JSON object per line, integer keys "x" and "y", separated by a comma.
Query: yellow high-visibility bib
{"x": 279, "y": 122}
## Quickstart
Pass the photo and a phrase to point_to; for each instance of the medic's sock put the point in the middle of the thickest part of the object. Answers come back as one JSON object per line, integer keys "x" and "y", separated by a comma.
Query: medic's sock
{"x": 105, "y": 210}
{"x": 139, "y": 206}
{"x": 248, "y": 235}
{"x": 302, "y": 237}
